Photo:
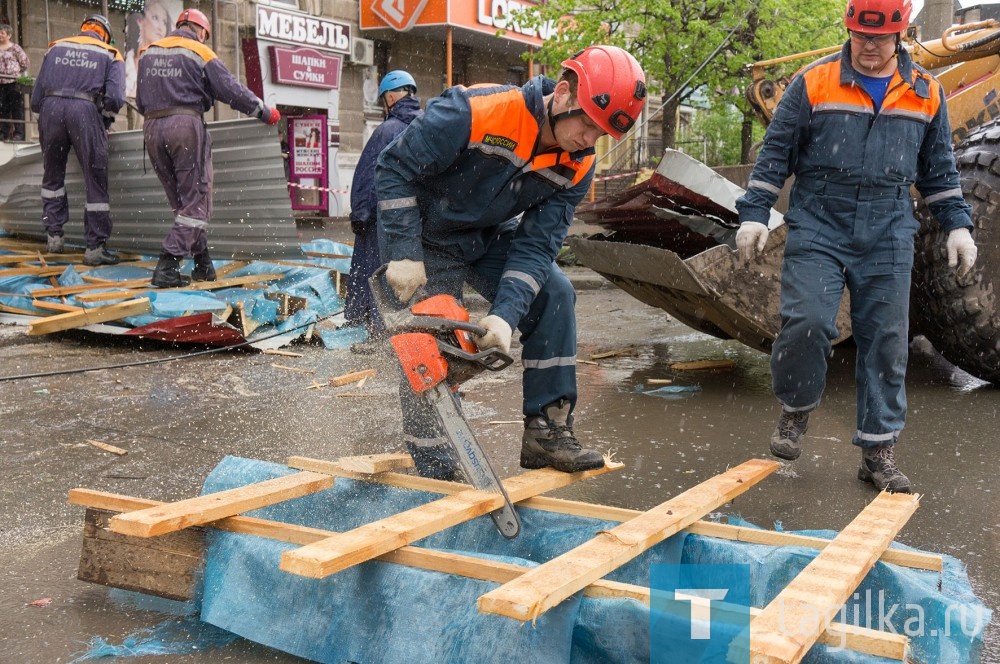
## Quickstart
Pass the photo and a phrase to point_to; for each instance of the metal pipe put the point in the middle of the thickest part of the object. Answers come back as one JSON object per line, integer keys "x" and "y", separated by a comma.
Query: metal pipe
{"x": 215, "y": 47}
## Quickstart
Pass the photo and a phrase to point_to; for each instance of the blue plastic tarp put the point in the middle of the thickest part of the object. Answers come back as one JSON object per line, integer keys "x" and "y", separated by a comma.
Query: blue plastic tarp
{"x": 381, "y": 612}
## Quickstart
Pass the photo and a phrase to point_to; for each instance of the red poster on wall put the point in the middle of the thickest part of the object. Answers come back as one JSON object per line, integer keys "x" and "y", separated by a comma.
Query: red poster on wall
{"x": 307, "y": 156}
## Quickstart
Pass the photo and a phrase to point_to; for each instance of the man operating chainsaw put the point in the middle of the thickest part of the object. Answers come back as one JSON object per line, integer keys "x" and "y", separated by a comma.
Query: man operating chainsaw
{"x": 482, "y": 190}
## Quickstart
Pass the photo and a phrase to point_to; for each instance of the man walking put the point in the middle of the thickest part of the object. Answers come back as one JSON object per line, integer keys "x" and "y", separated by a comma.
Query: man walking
{"x": 79, "y": 89}
{"x": 481, "y": 189}
{"x": 179, "y": 79}
{"x": 397, "y": 94}
{"x": 857, "y": 129}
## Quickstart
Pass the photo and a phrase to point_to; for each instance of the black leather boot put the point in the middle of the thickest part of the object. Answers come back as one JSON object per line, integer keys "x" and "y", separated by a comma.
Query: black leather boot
{"x": 167, "y": 273}
{"x": 203, "y": 270}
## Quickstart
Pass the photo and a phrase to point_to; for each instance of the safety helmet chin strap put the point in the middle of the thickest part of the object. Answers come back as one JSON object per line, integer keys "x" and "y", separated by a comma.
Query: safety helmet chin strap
{"x": 561, "y": 116}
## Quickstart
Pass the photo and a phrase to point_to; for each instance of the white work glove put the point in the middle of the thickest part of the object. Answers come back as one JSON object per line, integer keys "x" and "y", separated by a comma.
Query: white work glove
{"x": 405, "y": 277}
{"x": 497, "y": 335}
{"x": 962, "y": 250}
{"x": 750, "y": 239}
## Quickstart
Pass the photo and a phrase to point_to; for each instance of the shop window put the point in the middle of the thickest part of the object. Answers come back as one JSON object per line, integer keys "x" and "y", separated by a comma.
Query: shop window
{"x": 291, "y": 4}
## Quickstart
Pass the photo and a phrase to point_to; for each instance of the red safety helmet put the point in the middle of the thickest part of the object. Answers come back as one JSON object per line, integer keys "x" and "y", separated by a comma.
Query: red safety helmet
{"x": 96, "y": 20}
{"x": 878, "y": 17}
{"x": 194, "y": 17}
{"x": 611, "y": 89}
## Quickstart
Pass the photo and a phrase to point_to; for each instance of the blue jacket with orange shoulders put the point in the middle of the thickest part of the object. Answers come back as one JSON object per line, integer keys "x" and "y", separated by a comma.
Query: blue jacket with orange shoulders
{"x": 827, "y": 131}
{"x": 464, "y": 170}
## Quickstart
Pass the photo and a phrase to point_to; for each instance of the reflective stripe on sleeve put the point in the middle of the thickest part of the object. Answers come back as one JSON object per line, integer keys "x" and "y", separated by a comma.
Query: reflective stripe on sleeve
{"x": 941, "y": 195}
{"x": 398, "y": 203}
{"x": 766, "y": 186}
{"x": 522, "y": 276}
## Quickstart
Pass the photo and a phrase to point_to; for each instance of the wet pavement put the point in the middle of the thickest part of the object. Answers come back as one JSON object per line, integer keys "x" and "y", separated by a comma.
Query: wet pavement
{"x": 178, "y": 419}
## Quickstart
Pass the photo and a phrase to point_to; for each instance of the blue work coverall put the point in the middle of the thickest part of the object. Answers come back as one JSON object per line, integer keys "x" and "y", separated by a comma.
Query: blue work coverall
{"x": 360, "y": 309}
{"x": 178, "y": 81}
{"x": 79, "y": 90}
{"x": 851, "y": 224}
{"x": 464, "y": 190}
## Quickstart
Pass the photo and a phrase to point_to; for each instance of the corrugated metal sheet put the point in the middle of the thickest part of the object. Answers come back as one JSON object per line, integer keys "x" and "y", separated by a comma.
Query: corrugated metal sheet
{"x": 252, "y": 211}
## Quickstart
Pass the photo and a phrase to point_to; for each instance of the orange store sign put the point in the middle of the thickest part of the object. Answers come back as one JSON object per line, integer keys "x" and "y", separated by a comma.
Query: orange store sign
{"x": 485, "y": 16}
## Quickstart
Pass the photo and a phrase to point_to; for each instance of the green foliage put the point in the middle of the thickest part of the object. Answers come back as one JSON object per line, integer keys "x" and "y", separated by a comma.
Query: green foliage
{"x": 672, "y": 38}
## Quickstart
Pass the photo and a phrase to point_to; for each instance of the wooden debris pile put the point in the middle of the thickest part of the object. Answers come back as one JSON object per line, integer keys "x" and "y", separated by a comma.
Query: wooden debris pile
{"x": 60, "y": 293}
{"x": 155, "y": 547}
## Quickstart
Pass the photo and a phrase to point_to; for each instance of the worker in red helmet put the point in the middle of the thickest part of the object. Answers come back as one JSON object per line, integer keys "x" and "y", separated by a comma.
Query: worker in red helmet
{"x": 78, "y": 92}
{"x": 857, "y": 129}
{"x": 179, "y": 79}
{"x": 481, "y": 190}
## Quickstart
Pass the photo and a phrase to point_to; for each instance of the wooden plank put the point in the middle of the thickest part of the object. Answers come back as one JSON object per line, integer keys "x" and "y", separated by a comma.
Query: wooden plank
{"x": 9, "y": 259}
{"x": 108, "y": 448}
{"x": 377, "y": 463}
{"x": 278, "y": 351}
{"x": 352, "y": 377}
{"x": 861, "y": 639}
{"x": 372, "y": 540}
{"x": 70, "y": 320}
{"x": 320, "y": 254}
{"x": 789, "y": 626}
{"x": 703, "y": 365}
{"x": 169, "y": 568}
{"x": 83, "y": 288}
{"x": 203, "y": 509}
{"x": 55, "y": 306}
{"x": 17, "y": 310}
{"x": 547, "y": 585}
{"x": 915, "y": 559}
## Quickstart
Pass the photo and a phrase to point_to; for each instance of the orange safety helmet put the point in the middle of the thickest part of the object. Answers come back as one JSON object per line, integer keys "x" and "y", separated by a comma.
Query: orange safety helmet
{"x": 100, "y": 22}
{"x": 878, "y": 17}
{"x": 611, "y": 89}
{"x": 194, "y": 17}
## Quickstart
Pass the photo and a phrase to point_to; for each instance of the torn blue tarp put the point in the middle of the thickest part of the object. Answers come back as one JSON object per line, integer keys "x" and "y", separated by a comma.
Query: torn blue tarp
{"x": 393, "y": 613}
{"x": 284, "y": 309}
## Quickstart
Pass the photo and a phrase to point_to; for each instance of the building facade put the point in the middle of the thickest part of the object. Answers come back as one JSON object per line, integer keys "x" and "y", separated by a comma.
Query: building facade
{"x": 317, "y": 61}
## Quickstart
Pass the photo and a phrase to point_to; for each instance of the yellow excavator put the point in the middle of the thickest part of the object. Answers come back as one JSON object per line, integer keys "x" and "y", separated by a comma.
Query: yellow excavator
{"x": 961, "y": 317}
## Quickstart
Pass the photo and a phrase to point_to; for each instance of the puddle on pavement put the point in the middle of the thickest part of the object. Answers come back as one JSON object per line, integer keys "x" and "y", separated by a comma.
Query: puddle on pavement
{"x": 668, "y": 443}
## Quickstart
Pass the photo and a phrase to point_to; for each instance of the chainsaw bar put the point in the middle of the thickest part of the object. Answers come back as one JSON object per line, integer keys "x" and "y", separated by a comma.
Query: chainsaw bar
{"x": 474, "y": 462}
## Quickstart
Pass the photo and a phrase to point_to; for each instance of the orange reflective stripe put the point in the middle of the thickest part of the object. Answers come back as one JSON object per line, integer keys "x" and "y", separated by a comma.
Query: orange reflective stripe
{"x": 897, "y": 98}
{"x": 550, "y": 159}
{"x": 502, "y": 120}
{"x": 176, "y": 41}
{"x": 825, "y": 91}
{"x": 823, "y": 88}
{"x": 90, "y": 41}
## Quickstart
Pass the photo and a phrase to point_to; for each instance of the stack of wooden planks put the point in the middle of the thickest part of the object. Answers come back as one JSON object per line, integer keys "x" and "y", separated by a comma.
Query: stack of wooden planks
{"x": 156, "y": 547}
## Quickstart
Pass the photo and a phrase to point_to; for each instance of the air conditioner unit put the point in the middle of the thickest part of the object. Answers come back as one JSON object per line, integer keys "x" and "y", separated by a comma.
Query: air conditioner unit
{"x": 362, "y": 52}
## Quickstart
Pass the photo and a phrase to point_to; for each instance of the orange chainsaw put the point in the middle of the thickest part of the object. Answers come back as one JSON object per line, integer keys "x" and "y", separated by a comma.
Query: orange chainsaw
{"x": 434, "y": 342}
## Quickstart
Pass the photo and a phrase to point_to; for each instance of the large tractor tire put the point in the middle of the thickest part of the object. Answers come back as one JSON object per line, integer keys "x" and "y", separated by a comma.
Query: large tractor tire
{"x": 960, "y": 316}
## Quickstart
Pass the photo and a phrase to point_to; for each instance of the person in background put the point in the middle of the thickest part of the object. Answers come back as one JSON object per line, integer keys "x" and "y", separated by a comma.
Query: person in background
{"x": 400, "y": 105}
{"x": 151, "y": 24}
{"x": 78, "y": 92}
{"x": 482, "y": 189}
{"x": 857, "y": 129}
{"x": 13, "y": 63}
{"x": 179, "y": 79}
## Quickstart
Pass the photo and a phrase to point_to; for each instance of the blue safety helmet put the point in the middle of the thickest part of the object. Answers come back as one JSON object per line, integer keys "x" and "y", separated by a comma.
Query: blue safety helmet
{"x": 395, "y": 80}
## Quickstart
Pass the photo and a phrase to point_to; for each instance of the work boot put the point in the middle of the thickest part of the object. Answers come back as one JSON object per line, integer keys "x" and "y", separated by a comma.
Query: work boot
{"x": 55, "y": 244}
{"x": 99, "y": 255}
{"x": 203, "y": 270}
{"x": 433, "y": 458}
{"x": 167, "y": 273}
{"x": 786, "y": 439}
{"x": 878, "y": 466}
{"x": 549, "y": 441}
